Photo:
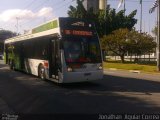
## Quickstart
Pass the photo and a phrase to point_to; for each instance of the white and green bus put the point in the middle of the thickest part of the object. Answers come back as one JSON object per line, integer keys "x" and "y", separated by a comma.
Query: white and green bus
{"x": 63, "y": 50}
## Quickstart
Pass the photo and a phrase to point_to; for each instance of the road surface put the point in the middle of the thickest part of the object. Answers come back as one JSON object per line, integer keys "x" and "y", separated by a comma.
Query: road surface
{"x": 118, "y": 93}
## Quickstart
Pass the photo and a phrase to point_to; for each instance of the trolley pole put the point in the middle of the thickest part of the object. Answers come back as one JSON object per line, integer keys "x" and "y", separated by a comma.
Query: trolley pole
{"x": 158, "y": 38}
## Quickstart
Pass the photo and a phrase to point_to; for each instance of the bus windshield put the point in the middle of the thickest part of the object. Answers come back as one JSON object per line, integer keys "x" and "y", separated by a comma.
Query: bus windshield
{"x": 82, "y": 50}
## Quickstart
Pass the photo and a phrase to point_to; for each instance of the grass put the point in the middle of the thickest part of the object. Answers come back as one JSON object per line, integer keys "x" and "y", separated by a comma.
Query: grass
{"x": 143, "y": 67}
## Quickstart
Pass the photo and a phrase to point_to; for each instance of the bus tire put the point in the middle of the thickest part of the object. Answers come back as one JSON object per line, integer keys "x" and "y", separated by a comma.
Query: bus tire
{"x": 41, "y": 72}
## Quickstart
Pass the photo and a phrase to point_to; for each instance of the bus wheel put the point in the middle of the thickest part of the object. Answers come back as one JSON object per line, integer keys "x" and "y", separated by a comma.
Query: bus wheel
{"x": 41, "y": 72}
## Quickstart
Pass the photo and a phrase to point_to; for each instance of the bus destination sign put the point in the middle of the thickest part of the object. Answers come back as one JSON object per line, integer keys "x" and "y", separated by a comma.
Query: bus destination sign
{"x": 77, "y": 32}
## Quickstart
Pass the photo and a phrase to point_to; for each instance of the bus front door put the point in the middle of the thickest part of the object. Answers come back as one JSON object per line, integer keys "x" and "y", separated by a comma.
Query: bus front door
{"x": 54, "y": 59}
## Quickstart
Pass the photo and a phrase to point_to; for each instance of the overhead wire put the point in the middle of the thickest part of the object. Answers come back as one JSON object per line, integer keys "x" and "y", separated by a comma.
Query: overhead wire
{"x": 132, "y": 1}
{"x": 35, "y": 9}
{"x": 27, "y": 6}
{"x": 57, "y": 9}
{"x": 63, "y": 5}
{"x": 43, "y": 2}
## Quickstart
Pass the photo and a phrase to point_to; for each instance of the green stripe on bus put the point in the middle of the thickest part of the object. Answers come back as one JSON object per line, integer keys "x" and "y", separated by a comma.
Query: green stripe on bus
{"x": 47, "y": 26}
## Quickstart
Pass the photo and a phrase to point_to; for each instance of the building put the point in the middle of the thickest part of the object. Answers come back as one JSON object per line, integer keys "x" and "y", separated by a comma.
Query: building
{"x": 91, "y": 4}
{"x": 102, "y": 4}
{"x": 95, "y": 4}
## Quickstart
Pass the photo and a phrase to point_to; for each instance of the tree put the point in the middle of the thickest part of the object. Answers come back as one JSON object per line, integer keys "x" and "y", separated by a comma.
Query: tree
{"x": 116, "y": 42}
{"x": 141, "y": 43}
{"x": 155, "y": 31}
{"x": 122, "y": 41}
{"x": 106, "y": 21}
{"x": 5, "y": 34}
{"x": 78, "y": 11}
{"x": 118, "y": 20}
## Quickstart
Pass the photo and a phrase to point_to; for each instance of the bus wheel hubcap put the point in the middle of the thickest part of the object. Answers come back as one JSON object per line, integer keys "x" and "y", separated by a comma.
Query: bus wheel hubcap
{"x": 42, "y": 73}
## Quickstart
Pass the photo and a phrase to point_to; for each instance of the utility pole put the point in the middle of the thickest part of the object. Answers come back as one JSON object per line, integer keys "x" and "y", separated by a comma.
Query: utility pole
{"x": 105, "y": 26}
{"x": 105, "y": 16}
{"x": 17, "y": 19}
{"x": 141, "y": 19}
{"x": 124, "y": 7}
{"x": 158, "y": 40}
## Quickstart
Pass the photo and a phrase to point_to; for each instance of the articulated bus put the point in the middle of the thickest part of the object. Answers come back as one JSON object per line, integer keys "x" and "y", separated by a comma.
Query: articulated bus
{"x": 63, "y": 50}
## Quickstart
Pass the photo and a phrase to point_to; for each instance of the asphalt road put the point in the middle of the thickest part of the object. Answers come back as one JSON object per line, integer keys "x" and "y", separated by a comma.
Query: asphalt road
{"x": 118, "y": 93}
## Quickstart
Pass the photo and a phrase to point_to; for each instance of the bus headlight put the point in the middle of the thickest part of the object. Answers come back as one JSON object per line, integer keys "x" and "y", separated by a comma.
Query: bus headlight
{"x": 100, "y": 67}
{"x": 69, "y": 69}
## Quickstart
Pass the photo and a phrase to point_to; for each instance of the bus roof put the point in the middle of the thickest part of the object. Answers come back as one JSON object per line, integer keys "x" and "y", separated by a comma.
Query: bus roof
{"x": 50, "y": 28}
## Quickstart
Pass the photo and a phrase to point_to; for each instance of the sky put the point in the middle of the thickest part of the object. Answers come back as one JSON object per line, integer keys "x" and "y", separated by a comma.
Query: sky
{"x": 22, "y": 15}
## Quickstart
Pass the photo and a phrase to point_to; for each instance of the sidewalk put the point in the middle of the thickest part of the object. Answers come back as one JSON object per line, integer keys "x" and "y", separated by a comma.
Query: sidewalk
{"x": 134, "y": 71}
{"x": 133, "y": 74}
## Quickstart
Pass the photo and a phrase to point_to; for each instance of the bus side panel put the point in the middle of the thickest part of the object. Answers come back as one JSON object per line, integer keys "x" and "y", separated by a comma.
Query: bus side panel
{"x": 36, "y": 52}
{"x": 31, "y": 65}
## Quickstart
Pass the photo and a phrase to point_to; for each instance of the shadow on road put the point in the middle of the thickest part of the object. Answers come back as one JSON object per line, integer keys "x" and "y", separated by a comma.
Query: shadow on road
{"x": 112, "y": 89}
{"x": 119, "y": 84}
{"x": 123, "y": 84}
{"x": 28, "y": 94}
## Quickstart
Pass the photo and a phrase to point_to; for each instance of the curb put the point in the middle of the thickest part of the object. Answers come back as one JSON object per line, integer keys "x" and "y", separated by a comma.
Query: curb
{"x": 132, "y": 71}
{"x": 112, "y": 68}
{"x": 135, "y": 71}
